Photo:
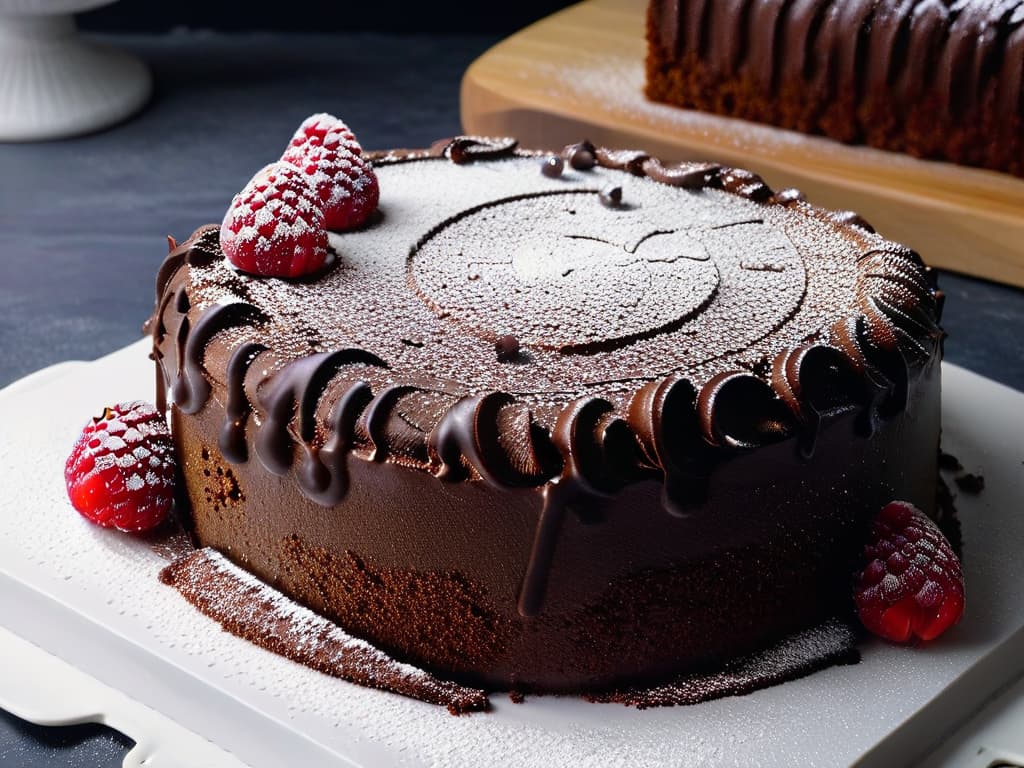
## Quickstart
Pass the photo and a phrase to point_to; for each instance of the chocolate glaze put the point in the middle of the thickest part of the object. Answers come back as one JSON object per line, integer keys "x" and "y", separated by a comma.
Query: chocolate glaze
{"x": 468, "y": 435}
{"x": 937, "y": 79}
{"x": 237, "y": 409}
{"x": 296, "y": 391}
{"x": 190, "y": 388}
{"x": 606, "y": 428}
{"x": 583, "y": 478}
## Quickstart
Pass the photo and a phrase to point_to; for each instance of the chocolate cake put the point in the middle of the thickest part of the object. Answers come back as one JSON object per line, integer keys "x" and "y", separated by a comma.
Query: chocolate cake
{"x": 936, "y": 79}
{"x": 559, "y": 423}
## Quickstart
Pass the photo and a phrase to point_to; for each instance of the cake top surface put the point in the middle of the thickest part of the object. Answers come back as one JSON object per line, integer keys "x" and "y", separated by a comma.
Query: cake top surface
{"x": 487, "y": 282}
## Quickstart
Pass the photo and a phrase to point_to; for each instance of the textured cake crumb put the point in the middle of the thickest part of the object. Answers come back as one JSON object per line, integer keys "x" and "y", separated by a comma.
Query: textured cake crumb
{"x": 971, "y": 483}
{"x": 246, "y": 607}
{"x": 801, "y": 654}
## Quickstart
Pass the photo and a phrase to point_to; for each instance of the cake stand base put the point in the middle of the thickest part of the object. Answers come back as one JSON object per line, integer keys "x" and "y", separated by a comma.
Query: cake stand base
{"x": 55, "y": 84}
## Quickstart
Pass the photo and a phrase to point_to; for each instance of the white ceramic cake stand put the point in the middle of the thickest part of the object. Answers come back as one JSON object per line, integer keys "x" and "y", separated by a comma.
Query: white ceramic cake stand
{"x": 53, "y": 82}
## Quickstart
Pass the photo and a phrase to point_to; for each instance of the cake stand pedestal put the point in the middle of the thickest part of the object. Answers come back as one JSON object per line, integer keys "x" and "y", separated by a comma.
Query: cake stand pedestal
{"x": 53, "y": 82}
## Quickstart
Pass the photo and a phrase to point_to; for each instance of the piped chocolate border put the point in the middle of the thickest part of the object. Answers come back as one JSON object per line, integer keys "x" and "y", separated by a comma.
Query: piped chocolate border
{"x": 672, "y": 427}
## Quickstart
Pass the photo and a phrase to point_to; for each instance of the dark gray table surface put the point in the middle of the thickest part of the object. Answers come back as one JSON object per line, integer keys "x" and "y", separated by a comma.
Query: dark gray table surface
{"x": 83, "y": 222}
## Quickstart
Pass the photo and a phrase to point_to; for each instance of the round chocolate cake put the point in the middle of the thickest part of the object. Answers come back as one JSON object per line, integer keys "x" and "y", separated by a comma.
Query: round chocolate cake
{"x": 557, "y": 422}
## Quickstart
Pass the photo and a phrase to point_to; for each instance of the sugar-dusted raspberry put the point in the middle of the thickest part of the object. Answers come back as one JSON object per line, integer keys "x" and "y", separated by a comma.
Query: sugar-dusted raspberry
{"x": 275, "y": 226}
{"x": 327, "y": 131}
{"x": 345, "y": 184}
{"x": 121, "y": 470}
{"x": 912, "y": 586}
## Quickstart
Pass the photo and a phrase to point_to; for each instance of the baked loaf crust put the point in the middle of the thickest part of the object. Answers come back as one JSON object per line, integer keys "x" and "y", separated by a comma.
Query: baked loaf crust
{"x": 526, "y": 436}
{"x": 937, "y": 79}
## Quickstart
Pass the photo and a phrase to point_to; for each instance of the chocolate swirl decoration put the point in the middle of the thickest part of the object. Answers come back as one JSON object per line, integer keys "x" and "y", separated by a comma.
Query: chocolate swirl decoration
{"x": 329, "y": 407}
{"x": 324, "y": 476}
{"x": 191, "y": 388}
{"x": 296, "y": 391}
{"x": 237, "y": 409}
{"x": 467, "y": 436}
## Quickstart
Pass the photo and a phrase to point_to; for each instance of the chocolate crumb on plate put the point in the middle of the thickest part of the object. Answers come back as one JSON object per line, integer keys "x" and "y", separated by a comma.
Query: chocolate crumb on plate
{"x": 247, "y": 608}
{"x": 833, "y": 642}
{"x": 949, "y": 463}
{"x": 971, "y": 483}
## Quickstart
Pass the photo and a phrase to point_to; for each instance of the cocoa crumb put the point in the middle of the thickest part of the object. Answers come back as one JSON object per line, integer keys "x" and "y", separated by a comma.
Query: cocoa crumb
{"x": 971, "y": 483}
{"x": 949, "y": 463}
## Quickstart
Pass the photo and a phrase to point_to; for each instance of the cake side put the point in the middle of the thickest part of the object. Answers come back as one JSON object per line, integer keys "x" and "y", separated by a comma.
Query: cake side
{"x": 934, "y": 80}
{"x": 317, "y": 467}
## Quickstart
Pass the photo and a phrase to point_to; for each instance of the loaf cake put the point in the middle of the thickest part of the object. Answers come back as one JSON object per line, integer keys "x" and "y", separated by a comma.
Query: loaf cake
{"x": 938, "y": 79}
{"x": 557, "y": 422}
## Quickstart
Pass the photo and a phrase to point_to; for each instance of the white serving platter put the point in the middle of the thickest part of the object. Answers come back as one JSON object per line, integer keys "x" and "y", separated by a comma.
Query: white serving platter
{"x": 91, "y": 597}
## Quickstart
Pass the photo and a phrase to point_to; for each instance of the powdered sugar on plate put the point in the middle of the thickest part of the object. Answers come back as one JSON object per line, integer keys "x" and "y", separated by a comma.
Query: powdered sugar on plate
{"x": 245, "y": 606}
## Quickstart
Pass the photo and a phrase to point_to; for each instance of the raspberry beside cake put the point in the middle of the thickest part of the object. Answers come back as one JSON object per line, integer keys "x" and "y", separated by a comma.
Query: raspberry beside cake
{"x": 557, "y": 425}
{"x": 937, "y": 80}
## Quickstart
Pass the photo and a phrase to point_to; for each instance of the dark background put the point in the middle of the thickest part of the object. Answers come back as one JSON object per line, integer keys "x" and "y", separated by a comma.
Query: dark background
{"x": 324, "y": 17}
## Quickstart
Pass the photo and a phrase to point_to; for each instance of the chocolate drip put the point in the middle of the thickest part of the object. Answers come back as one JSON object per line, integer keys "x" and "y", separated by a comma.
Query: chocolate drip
{"x": 236, "y": 412}
{"x": 180, "y": 344}
{"x": 323, "y": 476}
{"x": 889, "y": 29}
{"x": 376, "y": 416}
{"x": 299, "y": 387}
{"x": 738, "y": 410}
{"x": 663, "y": 415}
{"x": 469, "y": 431}
{"x": 881, "y": 362}
{"x": 1010, "y": 76}
{"x": 584, "y": 477}
{"x": 694, "y": 25}
{"x": 190, "y": 388}
{"x": 817, "y": 380}
{"x": 557, "y": 495}
{"x": 182, "y": 304}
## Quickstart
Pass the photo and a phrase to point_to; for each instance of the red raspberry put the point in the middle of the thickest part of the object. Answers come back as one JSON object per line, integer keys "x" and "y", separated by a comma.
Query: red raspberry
{"x": 275, "y": 227}
{"x": 121, "y": 471}
{"x": 912, "y": 587}
{"x": 345, "y": 184}
{"x": 327, "y": 131}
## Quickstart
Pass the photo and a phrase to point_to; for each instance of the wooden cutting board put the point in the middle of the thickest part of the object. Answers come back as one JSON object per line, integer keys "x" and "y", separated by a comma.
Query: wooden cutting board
{"x": 580, "y": 74}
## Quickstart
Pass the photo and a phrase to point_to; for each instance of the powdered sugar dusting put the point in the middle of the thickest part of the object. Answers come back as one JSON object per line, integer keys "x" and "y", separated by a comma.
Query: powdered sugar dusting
{"x": 832, "y": 642}
{"x": 247, "y": 607}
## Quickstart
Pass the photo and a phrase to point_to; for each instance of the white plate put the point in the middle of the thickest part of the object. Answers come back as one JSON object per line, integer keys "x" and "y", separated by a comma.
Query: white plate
{"x": 92, "y": 598}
